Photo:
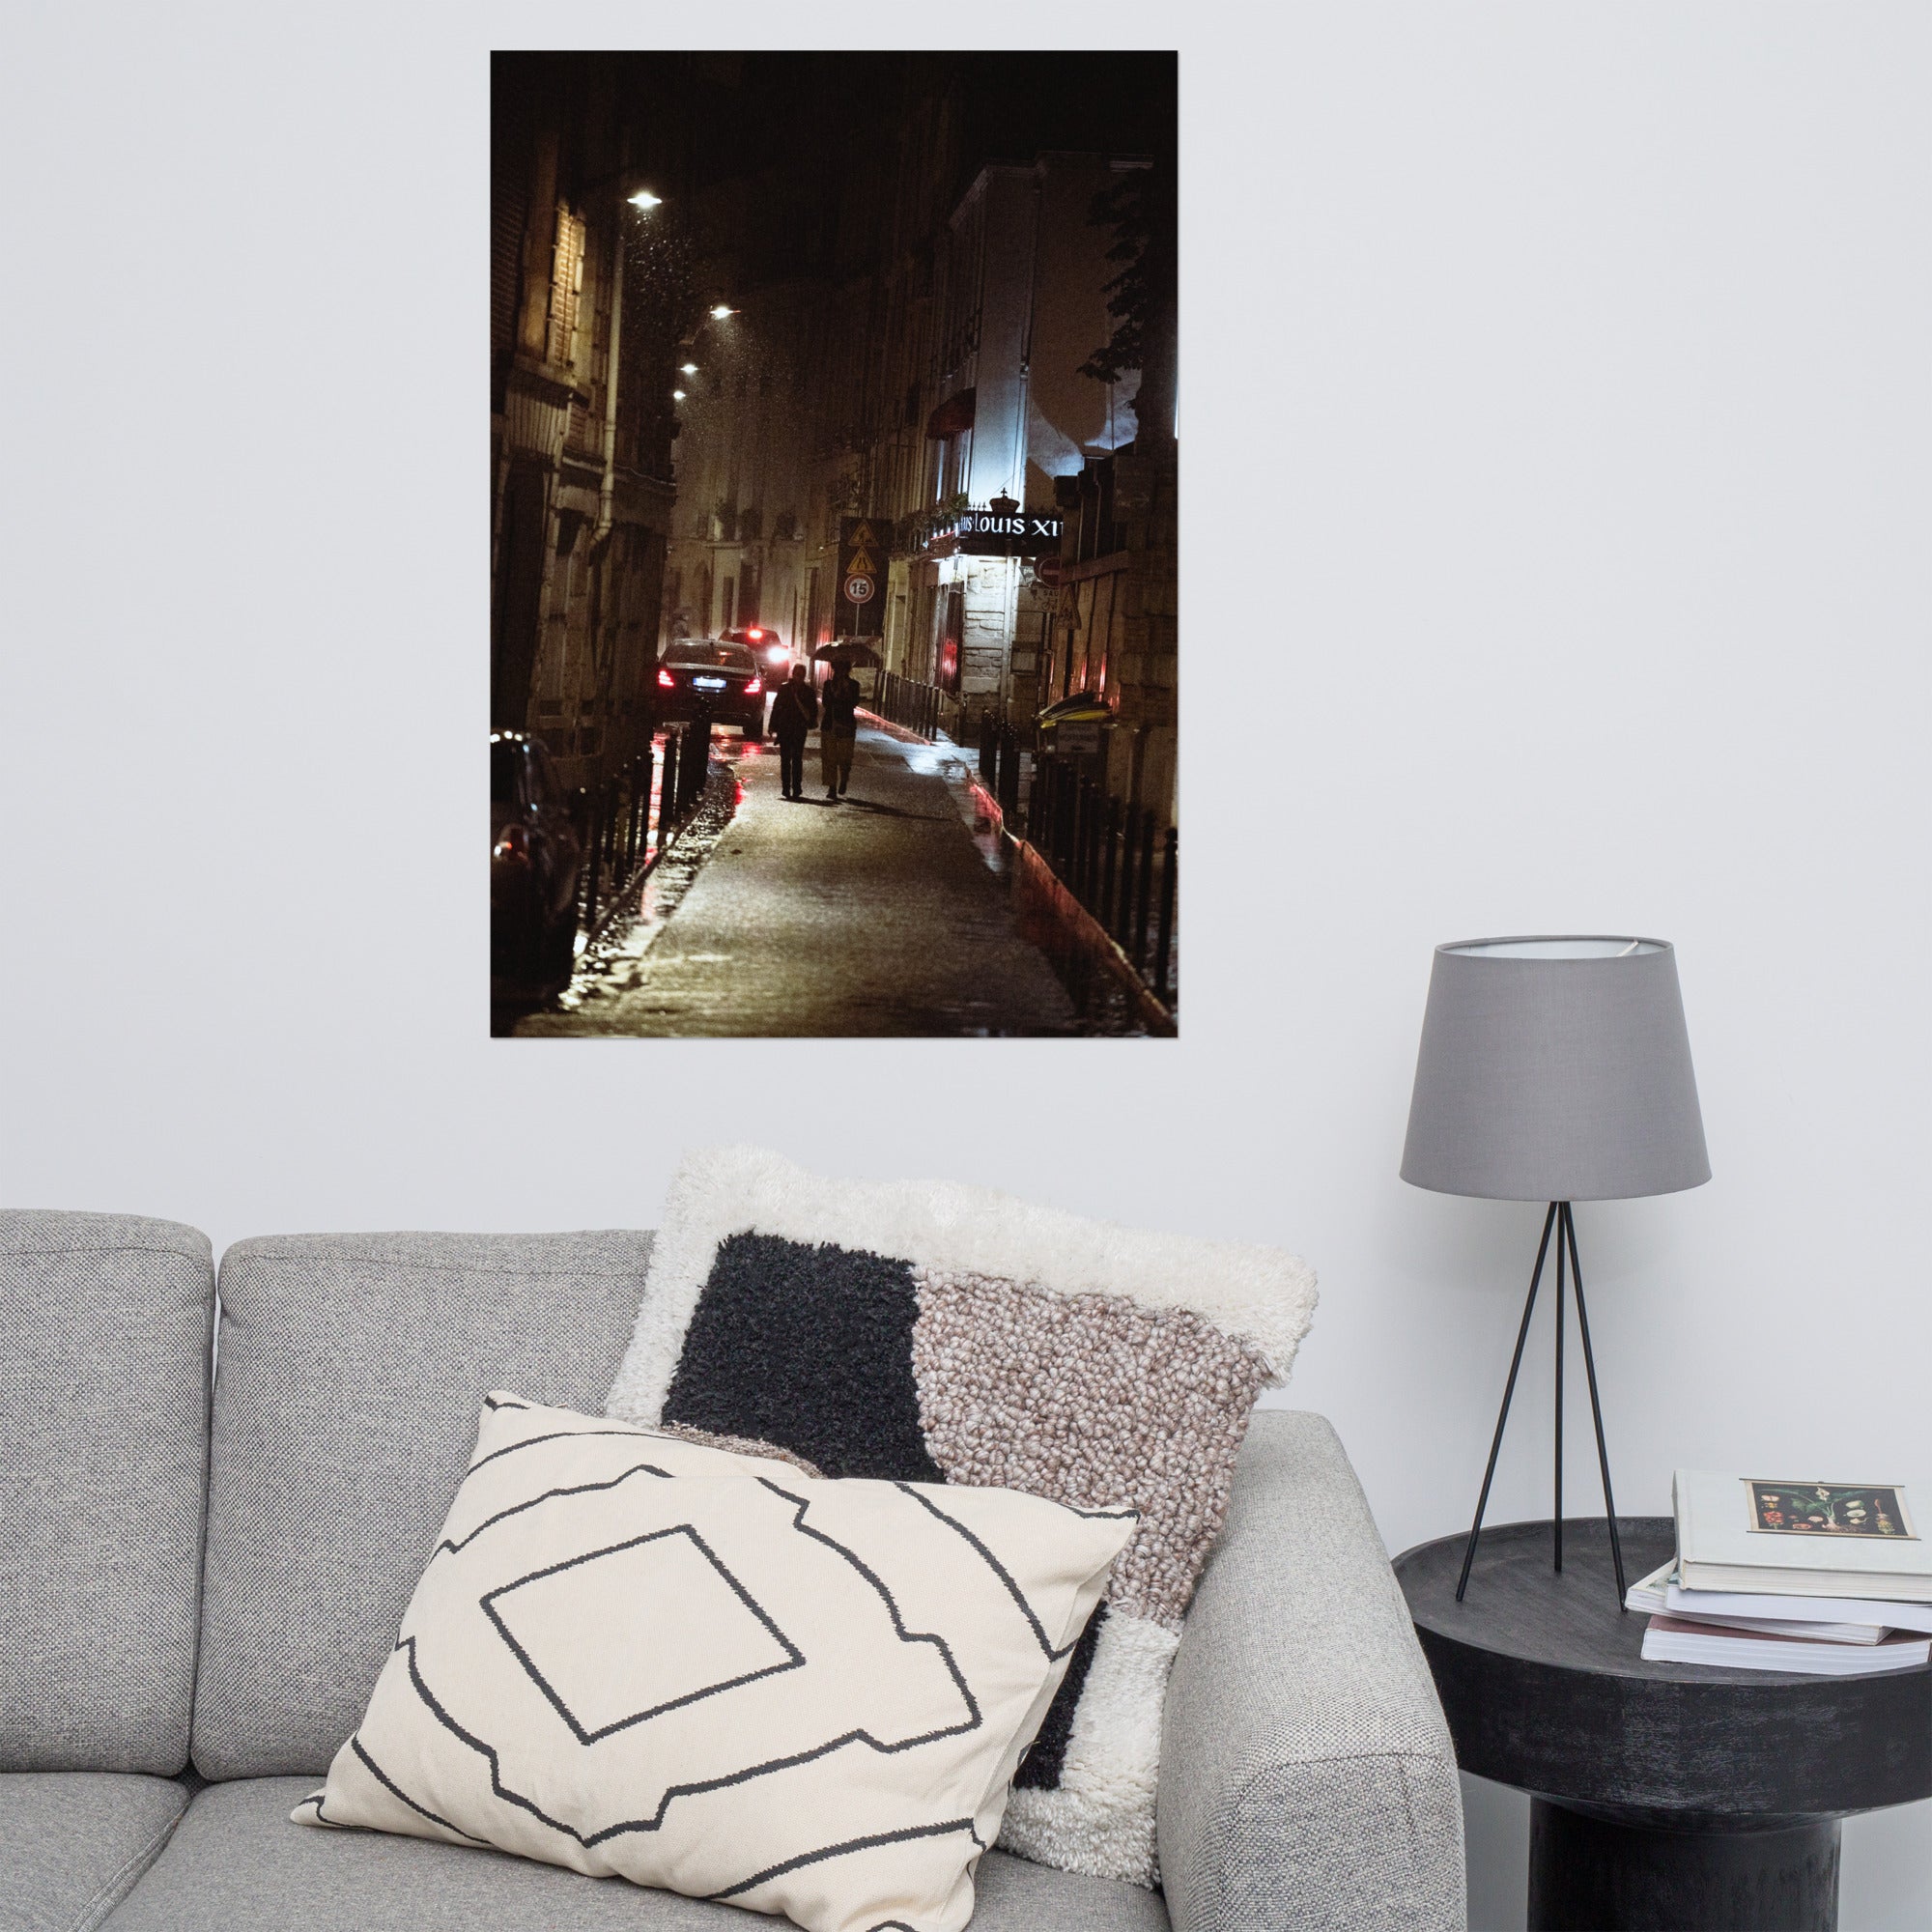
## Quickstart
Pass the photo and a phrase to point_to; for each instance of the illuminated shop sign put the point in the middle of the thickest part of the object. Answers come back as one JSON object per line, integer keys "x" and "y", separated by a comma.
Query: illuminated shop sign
{"x": 992, "y": 533}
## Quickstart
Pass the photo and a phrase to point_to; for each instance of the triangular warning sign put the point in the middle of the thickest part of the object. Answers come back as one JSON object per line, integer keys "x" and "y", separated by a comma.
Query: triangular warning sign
{"x": 862, "y": 537}
{"x": 862, "y": 564}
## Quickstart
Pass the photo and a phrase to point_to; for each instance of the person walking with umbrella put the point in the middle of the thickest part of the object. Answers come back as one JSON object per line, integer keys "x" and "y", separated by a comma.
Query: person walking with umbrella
{"x": 838, "y": 727}
{"x": 794, "y": 712}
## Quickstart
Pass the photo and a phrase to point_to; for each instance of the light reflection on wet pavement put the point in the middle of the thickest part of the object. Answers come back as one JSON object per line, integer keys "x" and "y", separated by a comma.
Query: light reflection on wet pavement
{"x": 886, "y": 914}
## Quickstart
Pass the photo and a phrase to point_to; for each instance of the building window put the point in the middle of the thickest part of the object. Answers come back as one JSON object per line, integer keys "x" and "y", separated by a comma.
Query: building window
{"x": 566, "y": 286}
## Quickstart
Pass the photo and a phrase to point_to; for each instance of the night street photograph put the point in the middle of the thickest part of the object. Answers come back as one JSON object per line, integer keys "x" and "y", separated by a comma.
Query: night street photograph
{"x": 834, "y": 545}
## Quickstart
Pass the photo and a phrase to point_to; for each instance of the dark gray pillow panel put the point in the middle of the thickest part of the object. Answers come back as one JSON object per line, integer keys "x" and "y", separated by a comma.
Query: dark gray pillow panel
{"x": 351, "y": 1371}
{"x": 103, "y": 1410}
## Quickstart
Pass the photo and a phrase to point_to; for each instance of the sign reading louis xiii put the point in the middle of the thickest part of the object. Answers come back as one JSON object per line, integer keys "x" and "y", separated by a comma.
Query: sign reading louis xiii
{"x": 1021, "y": 533}
{"x": 860, "y": 600}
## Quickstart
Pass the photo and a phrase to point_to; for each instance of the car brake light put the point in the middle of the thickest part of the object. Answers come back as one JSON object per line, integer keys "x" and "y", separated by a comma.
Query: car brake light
{"x": 755, "y": 633}
{"x": 756, "y": 688}
{"x": 513, "y": 845}
{"x": 666, "y": 679}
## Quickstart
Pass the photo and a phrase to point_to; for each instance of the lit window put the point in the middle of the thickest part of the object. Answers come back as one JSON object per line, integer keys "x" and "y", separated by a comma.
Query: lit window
{"x": 566, "y": 286}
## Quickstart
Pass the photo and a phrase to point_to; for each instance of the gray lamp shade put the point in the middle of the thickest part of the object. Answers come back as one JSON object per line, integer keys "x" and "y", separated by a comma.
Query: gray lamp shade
{"x": 1555, "y": 1069}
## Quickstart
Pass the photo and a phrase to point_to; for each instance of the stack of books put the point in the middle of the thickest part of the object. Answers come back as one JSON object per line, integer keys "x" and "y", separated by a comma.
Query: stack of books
{"x": 1826, "y": 1578}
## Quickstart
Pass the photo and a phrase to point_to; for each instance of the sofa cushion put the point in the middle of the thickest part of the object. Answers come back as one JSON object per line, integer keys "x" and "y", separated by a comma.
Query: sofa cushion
{"x": 236, "y": 1865}
{"x": 930, "y": 1332}
{"x": 351, "y": 1368}
{"x": 103, "y": 1409}
{"x": 72, "y": 1842}
{"x": 633, "y": 1653}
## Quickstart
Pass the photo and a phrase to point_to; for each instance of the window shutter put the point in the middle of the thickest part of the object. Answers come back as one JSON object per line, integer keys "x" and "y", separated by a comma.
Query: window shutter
{"x": 509, "y": 208}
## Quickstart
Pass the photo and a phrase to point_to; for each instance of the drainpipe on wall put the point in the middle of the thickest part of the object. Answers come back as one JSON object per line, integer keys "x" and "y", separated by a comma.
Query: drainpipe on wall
{"x": 1016, "y": 480}
{"x": 607, "y": 490}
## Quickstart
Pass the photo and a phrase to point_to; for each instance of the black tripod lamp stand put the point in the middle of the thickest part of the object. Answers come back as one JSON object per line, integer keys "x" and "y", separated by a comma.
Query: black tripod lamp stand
{"x": 1554, "y": 1069}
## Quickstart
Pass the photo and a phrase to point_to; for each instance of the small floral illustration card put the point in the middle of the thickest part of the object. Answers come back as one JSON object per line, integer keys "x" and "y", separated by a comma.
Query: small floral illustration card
{"x": 1829, "y": 1509}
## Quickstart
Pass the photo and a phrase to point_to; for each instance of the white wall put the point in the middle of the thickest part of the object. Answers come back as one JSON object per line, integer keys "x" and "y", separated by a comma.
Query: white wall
{"x": 1558, "y": 465}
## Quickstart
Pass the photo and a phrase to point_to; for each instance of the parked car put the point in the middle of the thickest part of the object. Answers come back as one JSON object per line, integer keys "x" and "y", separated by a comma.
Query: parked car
{"x": 536, "y": 851}
{"x": 773, "y": 653}
{"x": 717, "y": 675}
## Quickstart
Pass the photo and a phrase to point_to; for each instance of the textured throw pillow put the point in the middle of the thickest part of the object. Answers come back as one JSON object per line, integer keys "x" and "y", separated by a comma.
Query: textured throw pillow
{"x": 935, "y": 1333}
{"x": 637, "y": 1655}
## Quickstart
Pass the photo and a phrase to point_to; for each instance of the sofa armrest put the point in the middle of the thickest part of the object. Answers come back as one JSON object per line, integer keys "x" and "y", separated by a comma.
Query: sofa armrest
{"x": 1307, "y": 1780}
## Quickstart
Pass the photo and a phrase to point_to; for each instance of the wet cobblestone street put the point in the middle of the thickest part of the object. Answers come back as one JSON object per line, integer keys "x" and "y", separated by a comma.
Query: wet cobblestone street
{"x": 877, "y": 915}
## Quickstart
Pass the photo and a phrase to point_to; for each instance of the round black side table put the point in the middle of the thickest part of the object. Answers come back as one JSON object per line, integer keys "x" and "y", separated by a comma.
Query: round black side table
{"x": 1668, "y": 1797}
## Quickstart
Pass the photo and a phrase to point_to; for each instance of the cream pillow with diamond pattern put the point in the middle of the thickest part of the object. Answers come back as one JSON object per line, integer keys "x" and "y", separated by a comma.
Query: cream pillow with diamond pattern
{"x": 642, "y": 1655}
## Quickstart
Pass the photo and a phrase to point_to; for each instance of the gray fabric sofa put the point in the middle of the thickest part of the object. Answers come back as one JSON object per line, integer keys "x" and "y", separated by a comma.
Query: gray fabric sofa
{"x": 201, "y": 1573}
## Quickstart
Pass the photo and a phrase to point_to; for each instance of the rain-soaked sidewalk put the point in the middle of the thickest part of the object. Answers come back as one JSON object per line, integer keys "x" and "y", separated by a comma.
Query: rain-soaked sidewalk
{"x": 876, "y": 915}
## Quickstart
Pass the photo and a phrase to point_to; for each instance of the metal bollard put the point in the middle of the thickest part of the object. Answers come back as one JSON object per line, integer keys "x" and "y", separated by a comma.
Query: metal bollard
{"x": 579, "y": 816}
{"x": 1123, "y": 922}
{"x": 596, "y": 845}
{"x": 1095, "y": 833}
{"x": 1163, "y": 949}
{"x": 701, "y": 765}
{"x": 1144, "y": 896}
{"x": 1083, "y": 837}
{"x": 1110, "y": 860}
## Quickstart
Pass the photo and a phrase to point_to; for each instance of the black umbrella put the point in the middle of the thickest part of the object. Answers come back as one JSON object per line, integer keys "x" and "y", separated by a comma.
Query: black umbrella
{"x": 848, "y": 651}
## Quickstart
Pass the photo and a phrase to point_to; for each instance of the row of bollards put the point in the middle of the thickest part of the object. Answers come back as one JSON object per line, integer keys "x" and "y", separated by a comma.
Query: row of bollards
{"x": 622, "y": 837}
{"x": 1118, "y": 860}
{"x": 1000, "y": 743}
{"x": 905, "y": 701}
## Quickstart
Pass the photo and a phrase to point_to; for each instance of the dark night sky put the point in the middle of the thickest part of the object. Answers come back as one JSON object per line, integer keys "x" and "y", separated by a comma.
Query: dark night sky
{"x": 797, "y": 107}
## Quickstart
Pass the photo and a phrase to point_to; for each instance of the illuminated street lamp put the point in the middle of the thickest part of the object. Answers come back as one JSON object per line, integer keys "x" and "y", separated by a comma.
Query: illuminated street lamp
{"x": 644, "y": 198}
{"x": 716, "y": 312}
{"x": 677, "y": 395}
{"x": 687, "y": 368}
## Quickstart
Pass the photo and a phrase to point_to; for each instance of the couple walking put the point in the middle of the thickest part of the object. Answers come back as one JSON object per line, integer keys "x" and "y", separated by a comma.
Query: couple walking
{"x": 796, "y": 709}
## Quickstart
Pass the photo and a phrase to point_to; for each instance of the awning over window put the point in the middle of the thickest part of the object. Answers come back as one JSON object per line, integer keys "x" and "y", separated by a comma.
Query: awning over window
{"x": 952, "y": 416}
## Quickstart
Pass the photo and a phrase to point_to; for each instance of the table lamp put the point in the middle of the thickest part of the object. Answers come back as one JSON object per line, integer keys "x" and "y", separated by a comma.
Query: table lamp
{"x": 1554, "y": 1069}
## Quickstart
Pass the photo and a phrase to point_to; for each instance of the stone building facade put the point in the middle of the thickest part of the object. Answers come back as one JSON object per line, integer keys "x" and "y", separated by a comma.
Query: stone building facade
{"x": 586, "y": 298}
{"x": 911, "y": 324}
{"x": 1114, "y": 629}
{"x": 750, "y": 422}
{"x": 1024, "y": 307}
